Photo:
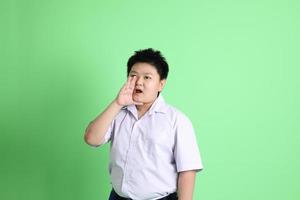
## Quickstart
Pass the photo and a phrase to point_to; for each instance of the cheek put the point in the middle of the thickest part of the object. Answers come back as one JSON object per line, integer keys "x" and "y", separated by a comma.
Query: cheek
{"x": 154, "y": 87}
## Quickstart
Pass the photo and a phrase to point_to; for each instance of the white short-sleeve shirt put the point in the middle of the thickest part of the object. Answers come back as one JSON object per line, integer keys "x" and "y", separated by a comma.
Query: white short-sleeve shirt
{"x": 146, "y": 154}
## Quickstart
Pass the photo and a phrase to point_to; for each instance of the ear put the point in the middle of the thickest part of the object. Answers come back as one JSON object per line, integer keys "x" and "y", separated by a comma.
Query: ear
{"x": 162, "y": 84}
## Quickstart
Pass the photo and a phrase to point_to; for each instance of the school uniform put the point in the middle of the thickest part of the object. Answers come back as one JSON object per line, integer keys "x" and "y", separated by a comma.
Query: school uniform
{"x": 147, "y": 154}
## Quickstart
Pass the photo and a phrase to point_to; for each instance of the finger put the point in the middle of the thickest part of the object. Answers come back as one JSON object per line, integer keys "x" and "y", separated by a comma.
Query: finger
{"x": 126, "y": 85}
{"x": 129, "y": 80}
{"x": 132, "y": 83}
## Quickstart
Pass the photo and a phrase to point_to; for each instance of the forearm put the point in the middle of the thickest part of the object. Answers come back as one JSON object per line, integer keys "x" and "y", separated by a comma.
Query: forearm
{"x": 186, "y": 182}
{"x": 96, "y": 130}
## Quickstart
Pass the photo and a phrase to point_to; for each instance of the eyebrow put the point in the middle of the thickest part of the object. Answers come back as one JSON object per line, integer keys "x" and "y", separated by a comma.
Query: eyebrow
{"x": 144, "y": 73}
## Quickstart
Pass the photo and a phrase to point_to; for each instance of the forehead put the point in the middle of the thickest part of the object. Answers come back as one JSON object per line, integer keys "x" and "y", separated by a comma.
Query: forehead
{"x": 143, "y": 68}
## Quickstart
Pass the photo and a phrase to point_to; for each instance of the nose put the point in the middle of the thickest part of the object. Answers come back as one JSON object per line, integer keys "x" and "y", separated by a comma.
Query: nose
{"x": 139, "y": 81}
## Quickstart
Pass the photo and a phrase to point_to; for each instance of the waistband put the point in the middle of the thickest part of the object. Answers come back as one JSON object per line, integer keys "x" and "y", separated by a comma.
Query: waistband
{"x": 115, "y": 196}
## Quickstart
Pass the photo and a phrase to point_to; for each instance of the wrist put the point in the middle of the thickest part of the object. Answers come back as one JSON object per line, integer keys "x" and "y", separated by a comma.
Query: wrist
{"x": 115, "y": 102}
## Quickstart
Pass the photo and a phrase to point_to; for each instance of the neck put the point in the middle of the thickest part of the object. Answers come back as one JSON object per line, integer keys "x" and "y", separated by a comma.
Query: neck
{"x": 144, "y": 107}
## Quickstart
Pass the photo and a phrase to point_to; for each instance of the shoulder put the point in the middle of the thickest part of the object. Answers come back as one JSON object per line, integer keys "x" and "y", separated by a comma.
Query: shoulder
{"x": 177, "y": 116}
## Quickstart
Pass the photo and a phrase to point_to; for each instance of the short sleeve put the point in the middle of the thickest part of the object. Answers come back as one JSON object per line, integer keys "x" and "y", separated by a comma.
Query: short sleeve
{"x": 186, "y": 151}
{"x": 107, "y": 136}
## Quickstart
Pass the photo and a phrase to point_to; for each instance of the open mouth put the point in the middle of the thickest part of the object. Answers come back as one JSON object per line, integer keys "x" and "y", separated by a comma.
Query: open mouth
{"x": 138, "y": 91}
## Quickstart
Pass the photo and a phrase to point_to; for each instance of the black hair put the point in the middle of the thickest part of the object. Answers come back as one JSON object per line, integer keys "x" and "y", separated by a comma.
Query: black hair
{"x": 152, "y": 57}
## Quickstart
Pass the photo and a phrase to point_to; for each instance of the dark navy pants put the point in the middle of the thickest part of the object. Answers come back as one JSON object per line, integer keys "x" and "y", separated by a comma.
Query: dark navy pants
{"x": 115, "y": 196}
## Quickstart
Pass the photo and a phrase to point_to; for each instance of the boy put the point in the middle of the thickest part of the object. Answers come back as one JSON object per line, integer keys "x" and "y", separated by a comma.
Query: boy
{"x": 153, "y": 149}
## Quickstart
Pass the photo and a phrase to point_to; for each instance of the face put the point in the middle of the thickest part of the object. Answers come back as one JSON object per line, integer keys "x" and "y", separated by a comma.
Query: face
{"x": 148, "y": 82}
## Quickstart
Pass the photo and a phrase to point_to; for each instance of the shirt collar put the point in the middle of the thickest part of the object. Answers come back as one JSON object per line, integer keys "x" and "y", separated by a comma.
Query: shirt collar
{"x": 159, "y": 105}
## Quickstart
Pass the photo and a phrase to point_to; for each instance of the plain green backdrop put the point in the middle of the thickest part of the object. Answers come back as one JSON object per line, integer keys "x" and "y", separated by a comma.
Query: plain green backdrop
{"x": 234, "y": 70}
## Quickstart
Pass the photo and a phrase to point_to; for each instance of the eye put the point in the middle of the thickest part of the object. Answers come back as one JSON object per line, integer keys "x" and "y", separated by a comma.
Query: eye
{"x": 147, "y": 77}
{"x": 132, "y": 75}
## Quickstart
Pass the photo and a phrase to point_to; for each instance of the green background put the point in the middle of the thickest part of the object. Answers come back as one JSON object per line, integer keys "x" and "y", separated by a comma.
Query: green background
{"x": 234, "y": 70}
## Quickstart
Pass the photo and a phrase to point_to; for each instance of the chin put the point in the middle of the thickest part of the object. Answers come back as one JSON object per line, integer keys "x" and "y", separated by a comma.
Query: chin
{"x": 137, "y": 99}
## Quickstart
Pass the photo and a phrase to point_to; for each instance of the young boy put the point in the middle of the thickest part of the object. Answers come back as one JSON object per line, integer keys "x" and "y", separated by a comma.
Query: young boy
{"x": 153, "y": 148}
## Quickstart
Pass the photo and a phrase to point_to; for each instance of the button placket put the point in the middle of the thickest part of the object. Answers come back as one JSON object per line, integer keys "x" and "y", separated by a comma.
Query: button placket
{"x": 127, "y": 171}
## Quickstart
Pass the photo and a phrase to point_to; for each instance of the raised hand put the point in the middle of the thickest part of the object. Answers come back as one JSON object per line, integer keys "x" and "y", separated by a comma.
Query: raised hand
{"x": 124, "y": 97}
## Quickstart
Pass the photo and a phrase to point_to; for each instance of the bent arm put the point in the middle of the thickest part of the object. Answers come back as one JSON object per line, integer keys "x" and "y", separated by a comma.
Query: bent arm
{"x": 95, "y": 131}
